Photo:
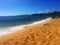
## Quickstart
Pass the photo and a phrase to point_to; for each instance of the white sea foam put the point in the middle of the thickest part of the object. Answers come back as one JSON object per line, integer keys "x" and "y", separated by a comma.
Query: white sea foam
{"x": 9, "y": 30}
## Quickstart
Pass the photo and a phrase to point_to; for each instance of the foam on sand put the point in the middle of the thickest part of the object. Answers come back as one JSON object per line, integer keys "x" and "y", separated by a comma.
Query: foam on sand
{"x": 9, "y": 30}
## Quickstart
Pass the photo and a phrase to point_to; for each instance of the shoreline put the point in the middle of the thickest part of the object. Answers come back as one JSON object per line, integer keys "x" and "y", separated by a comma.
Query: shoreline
{"x": 12, "y": 29}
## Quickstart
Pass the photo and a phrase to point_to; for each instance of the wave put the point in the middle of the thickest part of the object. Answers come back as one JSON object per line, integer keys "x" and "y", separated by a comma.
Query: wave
{"x": 8, "y": 30}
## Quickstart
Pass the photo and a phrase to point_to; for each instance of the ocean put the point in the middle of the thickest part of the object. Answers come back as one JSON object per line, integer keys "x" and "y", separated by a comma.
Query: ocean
{"x": 7, "y": 21}
{"x": 9, "y": 24}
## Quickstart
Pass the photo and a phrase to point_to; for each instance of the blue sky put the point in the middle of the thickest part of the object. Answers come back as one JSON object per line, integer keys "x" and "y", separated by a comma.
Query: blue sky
{"x": 16, "y": 7}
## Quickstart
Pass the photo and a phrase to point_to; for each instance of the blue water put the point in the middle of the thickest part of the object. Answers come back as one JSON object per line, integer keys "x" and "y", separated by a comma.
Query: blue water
{"x": 7, "y": 21}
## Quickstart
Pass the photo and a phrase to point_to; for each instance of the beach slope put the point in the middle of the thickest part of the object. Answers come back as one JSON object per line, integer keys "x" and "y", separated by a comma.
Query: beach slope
{"x": 40, "y": 34}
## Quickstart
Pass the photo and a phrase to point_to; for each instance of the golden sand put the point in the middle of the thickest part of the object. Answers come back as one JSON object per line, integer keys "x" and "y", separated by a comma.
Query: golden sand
{"x": 45, "y": 34}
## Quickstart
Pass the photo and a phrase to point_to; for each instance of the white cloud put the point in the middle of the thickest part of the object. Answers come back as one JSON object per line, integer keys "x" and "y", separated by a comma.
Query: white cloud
{"x": 40, "y": 12}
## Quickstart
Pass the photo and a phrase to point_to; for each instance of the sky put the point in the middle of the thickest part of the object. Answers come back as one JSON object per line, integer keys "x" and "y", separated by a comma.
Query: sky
{"x": 19, "y": 7}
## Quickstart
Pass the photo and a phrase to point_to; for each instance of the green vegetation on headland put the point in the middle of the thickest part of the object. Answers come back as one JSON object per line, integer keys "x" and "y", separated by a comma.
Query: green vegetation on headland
{"x": 54, "y": 14}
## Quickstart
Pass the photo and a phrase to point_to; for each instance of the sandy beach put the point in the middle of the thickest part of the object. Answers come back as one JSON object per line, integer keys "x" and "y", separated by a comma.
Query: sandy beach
{"x": 38, "y": 34}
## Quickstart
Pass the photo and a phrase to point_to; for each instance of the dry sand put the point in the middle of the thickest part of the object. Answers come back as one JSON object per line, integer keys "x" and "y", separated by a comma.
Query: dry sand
{"x": 39, "y": 34}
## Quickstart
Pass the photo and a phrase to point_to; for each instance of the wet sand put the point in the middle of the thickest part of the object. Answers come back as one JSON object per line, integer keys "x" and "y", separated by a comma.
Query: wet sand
{"x": 47, "y": 33}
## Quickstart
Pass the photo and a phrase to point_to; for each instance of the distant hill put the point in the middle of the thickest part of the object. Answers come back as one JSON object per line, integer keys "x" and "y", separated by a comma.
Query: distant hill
{"x": 44, "y": 15}
{"x": 54, "y": 14}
